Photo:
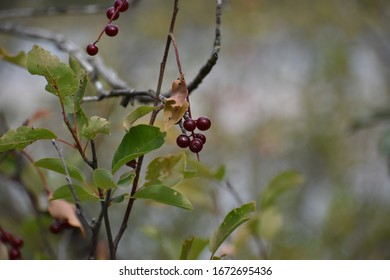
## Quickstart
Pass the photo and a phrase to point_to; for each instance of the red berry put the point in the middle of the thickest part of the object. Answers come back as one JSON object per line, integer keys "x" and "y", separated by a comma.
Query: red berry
{"x": 65, "y": 224}
{"x": 111, "y": 15}
{"x": 124, "y": 5}
{"x": 111, "y": 30}
{"x": 14, "y": 254}
{"x": 17, "y": 242}
{"x": 183, "y": 141}
{"x": 55, "y": 227}
{"x": 92, "y": 49}
{"x": 196, "y": 145}
{"x": 201, "y": 137}
{"x": 6, "y": 237}
{"x": 189, "y": 124}
{"x": 203, "y": 123}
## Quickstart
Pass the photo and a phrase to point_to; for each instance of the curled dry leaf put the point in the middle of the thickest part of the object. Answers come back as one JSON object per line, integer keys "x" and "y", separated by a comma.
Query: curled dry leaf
{"x": 176, "y": 105}
{"x": 63, "y": 210}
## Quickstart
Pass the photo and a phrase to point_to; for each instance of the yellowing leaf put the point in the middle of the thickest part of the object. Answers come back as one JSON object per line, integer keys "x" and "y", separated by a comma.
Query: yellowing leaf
{"x": 176, "y": 105}
{"x": 63, "y": 210}
{"x": 18, "y": 59}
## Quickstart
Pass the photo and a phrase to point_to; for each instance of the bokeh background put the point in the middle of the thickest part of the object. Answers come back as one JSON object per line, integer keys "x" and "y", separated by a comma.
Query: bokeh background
{"x": 300, "y": 85}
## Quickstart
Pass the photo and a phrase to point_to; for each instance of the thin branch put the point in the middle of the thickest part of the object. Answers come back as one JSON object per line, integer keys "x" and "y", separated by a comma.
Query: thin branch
{"x": 52, "y": 11}
{"x": 147, "y": 96}
{"x": 176, "y": 53}
{"x": 76, "y": 200}
{"x": 151, "y": 122}
{"x": 205, "y": 70}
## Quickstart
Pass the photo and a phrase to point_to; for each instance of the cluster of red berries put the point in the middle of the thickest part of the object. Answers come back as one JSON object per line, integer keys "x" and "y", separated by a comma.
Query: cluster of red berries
{"x": 194, "y": 141}
{"x": 13, "y": 243}
{"x": 110, "y": 29}
{"x": 57, "y": 226}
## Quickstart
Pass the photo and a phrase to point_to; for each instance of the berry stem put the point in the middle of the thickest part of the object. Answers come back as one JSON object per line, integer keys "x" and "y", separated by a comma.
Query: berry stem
{"x": 109, "y": 21}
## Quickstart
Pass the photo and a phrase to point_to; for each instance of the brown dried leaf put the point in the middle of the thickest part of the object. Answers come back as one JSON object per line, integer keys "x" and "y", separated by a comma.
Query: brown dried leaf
{"x": 63, "y": 210}
{"x": 176, "y": 105}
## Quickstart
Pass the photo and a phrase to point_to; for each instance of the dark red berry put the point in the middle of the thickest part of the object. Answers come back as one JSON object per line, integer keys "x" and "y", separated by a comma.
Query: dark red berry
{"x": 183, "y": 141}
{"x": 14, "y": 254}
{"x": 92, "y": 49}
{"x": 203, "y": 123}
{"x": 111, "y": 30}
{"x": 196, "y": 145}
{"x": 111, "y": 15}
{"x": 201, "y": 137}
{"x": 124, "y": 5}
{"x": 189, "y": 124}
{"x": 55, "y": 227}
{"x": 6, "y": 237}
{"x": 17, "y": 242}
{"x": 65, "y": 225}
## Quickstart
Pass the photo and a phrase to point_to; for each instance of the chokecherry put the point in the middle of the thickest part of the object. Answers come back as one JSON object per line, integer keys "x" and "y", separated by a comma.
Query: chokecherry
{"x": 111, "y": 15}
{"x": 6, "y": 237}
{"x": 111, "y": 30}
{"x": 14, "y": 254}
{"x": 55, "y": 227}
{"x": 201, "y": 137}
{"x": 16, "y": 242}
{"x": 196, "y": 145}
{"x": 189, "y": 124}
{"x": 92, "y": 49}
{"x": 183, "y": 141}
{"x": 203, "y": 123}
{"x": 124, "y": 5}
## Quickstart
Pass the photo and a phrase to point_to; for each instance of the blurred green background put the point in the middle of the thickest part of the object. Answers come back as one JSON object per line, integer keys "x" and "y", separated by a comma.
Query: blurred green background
{"x": 300, "y": 85}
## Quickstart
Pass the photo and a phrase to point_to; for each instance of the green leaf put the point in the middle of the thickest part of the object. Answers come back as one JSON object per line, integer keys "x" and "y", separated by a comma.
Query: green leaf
{"x": 280, "y": 184}
{"x": 139, "y": 140}
{"x": 137, "y": 114}
{"x": 103, "y": 179}
{"x": 55, "y": 164}
{"x": 82, "y": 77}
{"x": 220, "y": 173}
{"x": 96, "y": 125}
{"x": 192, "y": 248}
{"x": 204, "y": 171}
{"x": 233, "y": 220}
{"x": 164, "y": 195}
{"x": 126, "y": 179}
{"x": 22, "y": 137}
{"x": 61, "y": 79}
{"x": 64, "y": 192}
{"x": 166, "y": 170}
{"x": 19, "y": 59}
{"x": 78, "y": 112}
{"x": 120, "y": 198}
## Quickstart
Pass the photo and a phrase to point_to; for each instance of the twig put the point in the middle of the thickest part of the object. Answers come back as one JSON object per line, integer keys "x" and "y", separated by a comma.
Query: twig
{"x": 147, "y": 96}
{"x": 176, "y": 53}
{"x": 234, "y": 193}
{"x": 151, "y": 122}
{"x": 76, "y": 200}
{"x": 52, "y": 11}
{"x": 205, "y": 70}
{"x": 95, "y": 68}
